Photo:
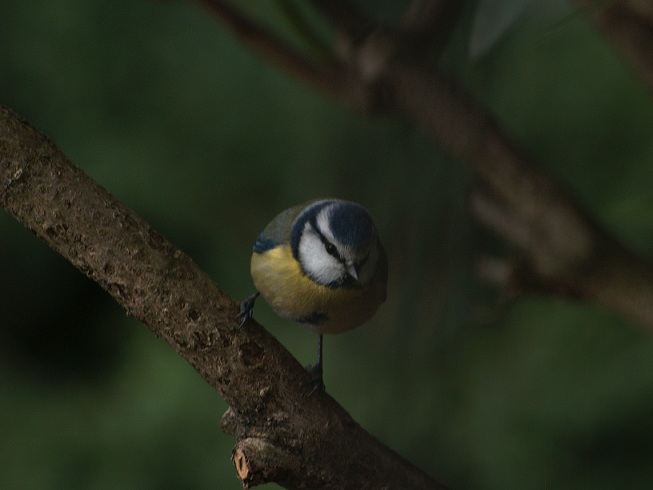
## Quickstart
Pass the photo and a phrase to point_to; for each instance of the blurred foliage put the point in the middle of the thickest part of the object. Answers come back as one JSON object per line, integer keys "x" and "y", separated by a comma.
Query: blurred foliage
{"x": 163, "y": 108}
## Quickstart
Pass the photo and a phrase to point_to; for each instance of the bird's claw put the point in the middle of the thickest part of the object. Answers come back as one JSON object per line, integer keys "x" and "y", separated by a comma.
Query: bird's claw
{"x": 246, "y": 309}
{"x": 316, "y": 376}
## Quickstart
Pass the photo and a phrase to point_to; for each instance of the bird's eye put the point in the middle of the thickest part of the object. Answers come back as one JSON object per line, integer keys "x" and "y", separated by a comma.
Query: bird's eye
{"x": 331, "y": 249}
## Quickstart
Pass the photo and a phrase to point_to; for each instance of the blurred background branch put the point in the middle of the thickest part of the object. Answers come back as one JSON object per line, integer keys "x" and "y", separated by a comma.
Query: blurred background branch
{"x": 629, "y": 25}
{"x": 427, "y": 26}
{"x": 563, "y": 244}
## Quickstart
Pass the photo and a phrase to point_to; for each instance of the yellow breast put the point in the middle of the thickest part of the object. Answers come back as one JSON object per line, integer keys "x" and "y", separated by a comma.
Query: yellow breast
{"x": 293, "y": 295}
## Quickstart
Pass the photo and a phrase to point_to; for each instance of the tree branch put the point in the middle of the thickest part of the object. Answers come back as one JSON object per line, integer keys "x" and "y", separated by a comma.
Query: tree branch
{"x": 312, "y": 441}
{"x": 328, "y": 78}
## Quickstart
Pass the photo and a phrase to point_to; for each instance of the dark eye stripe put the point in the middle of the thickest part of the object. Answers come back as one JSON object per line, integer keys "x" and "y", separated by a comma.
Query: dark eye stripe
{"x": 328, "y": 246}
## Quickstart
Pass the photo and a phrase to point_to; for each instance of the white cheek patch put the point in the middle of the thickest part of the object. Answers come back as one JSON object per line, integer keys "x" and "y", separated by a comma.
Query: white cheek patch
{"x": 316, "y": 262}
{"x": 323, "y": 223}
{"x": 327, "y": 267}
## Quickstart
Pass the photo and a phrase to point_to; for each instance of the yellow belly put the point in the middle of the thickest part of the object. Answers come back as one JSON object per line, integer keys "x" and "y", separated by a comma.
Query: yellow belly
{"x": 292, "y": 295}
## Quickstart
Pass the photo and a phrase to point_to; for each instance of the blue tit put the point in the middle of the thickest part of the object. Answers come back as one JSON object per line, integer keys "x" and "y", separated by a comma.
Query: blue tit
{"x": 320, "y": 264}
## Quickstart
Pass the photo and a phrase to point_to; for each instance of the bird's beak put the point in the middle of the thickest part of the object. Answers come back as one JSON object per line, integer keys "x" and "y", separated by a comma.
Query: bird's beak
{"x": 352, "y": 270}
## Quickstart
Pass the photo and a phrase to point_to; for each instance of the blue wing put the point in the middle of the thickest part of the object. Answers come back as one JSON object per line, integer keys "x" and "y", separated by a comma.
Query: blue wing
{"x": 277, "y": 232}
{"x": 263, "y": 244}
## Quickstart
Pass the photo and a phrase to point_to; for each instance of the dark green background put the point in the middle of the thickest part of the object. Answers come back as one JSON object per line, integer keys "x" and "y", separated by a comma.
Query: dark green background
{"x": 166, "y": 110}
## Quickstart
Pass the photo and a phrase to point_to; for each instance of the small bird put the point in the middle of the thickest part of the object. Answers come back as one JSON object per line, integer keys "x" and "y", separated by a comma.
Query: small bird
{"x": 321, "y": 264}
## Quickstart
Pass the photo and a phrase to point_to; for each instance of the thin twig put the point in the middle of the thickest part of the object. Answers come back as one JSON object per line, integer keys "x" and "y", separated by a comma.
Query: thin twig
{"x": 327, "y": 78}
{"x": 428, "y": 25}
{"x": 629, "y": 24}
{"x": 344, "y": 17}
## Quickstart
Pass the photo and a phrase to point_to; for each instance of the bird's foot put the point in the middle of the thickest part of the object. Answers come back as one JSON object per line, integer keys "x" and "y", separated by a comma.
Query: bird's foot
{"x": 247, "y": 309}
{"x": 316, "y": 376}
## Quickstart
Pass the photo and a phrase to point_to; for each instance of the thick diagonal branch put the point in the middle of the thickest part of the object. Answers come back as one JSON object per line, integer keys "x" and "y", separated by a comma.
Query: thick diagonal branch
{"x": 312, "y": 441}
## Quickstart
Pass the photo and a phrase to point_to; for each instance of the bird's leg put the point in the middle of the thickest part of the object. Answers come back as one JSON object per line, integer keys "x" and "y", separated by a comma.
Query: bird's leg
{"x": 247, "y": 308}
{"x": 316, "y": 370}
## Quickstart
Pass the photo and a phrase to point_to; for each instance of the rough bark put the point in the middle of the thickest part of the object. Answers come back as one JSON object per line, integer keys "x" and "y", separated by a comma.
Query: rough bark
{"x": 285, "y": 434}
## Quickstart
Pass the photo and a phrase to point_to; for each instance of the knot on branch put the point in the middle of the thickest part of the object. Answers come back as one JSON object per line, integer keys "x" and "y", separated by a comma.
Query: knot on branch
{"x": 373, "y": 55}
{"x": 13, "y": 176}
{"x": 258, "y": 461}
{"x": 558, "y": 243}
{"x": 370, "y": 58}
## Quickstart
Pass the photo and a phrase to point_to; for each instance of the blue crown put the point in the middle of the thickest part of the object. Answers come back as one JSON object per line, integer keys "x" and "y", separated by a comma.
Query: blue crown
{"x": 349, "y": 222}
{"x": 351, "y": 225}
